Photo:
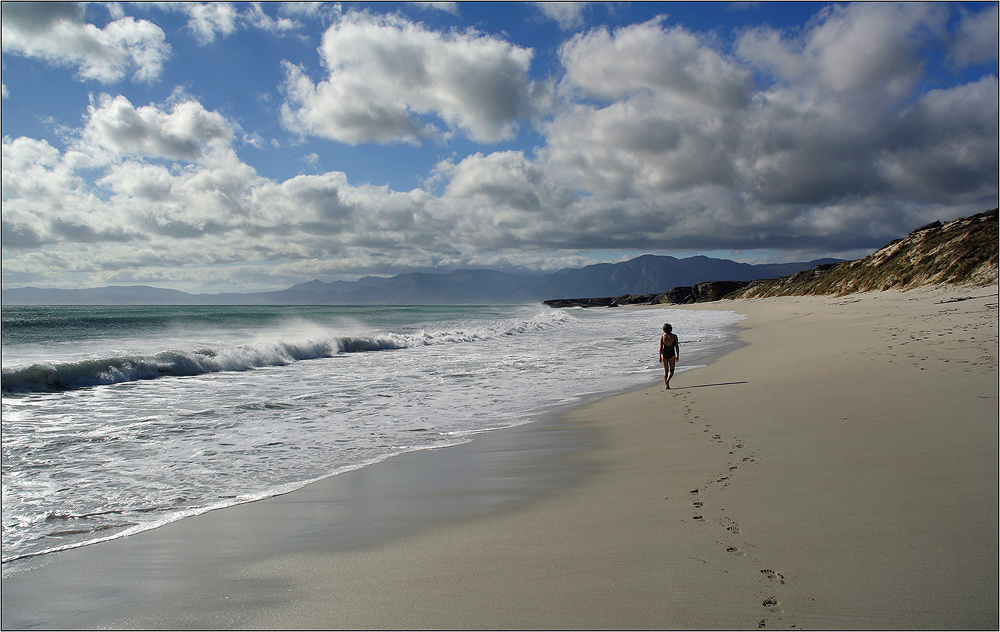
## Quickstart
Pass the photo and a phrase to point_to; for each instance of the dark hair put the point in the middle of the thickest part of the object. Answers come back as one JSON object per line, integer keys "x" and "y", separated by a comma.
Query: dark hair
{"x": 667, "y": 328}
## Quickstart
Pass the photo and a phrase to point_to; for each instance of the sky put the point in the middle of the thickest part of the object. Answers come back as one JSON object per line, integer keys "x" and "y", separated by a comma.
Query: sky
{"x": 245, "y": 147}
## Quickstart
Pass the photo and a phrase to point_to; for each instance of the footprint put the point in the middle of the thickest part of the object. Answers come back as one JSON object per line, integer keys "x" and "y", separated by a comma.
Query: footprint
{"x": 773, "y": 575}
{"x": 698, "y": 503}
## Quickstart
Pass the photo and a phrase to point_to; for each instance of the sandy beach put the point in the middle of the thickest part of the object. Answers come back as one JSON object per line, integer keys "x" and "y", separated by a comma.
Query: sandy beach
{"x": 838, "y": 469}
{"x": 843, "y": 465}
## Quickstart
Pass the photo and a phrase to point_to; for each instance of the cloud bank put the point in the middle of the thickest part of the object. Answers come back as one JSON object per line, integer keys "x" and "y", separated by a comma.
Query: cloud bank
{"x": 653, "y": 138}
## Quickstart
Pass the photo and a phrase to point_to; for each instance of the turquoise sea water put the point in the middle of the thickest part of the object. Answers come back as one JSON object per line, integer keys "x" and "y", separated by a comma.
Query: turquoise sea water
{"x": 120, "y": 419}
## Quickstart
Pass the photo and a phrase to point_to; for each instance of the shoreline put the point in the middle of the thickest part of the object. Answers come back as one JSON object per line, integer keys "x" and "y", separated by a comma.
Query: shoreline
{"x": 830, "y": 497}
{"x": 354, "y": 510}
{"x": 861, "y": 494}
{"x": 378, "y": 503}
{"x": 548, "y": 411}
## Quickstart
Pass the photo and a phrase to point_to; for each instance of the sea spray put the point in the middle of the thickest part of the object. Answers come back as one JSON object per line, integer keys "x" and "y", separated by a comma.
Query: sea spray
{"x": 113, "y": 425}
{"x": 127, "y": 368}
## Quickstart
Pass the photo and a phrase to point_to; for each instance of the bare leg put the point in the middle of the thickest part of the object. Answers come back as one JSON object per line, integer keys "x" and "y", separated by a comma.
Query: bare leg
{"x": 668, "y": 371}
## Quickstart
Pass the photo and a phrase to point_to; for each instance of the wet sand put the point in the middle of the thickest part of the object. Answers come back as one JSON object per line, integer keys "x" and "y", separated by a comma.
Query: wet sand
{"x": 193, "y": 573}
{"x": 838, "y": 470}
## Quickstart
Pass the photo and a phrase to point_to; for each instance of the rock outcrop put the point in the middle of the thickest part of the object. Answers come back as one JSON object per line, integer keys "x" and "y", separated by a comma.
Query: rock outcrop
{"x": 697, "y": 293}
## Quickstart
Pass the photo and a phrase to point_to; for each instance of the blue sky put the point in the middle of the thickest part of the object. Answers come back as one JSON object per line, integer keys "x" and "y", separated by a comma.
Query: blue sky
{"x": 237, "y": 147}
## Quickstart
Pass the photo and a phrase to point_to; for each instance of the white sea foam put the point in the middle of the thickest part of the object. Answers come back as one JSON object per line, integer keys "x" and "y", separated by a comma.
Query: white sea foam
{"x": 106, "y": 435}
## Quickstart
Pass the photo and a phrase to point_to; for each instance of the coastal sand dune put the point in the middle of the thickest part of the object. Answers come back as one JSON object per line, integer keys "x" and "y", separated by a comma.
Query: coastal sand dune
{"x": 837, "y": 471}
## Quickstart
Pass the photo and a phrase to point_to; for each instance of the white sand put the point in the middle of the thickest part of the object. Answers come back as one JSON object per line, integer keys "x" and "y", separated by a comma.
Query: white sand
{"x": 846, "y": 467}
{"x": 846, "y": 462}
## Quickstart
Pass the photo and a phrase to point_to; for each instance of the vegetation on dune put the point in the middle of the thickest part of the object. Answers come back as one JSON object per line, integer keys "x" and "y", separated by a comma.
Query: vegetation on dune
{"x": 961, "y": 251}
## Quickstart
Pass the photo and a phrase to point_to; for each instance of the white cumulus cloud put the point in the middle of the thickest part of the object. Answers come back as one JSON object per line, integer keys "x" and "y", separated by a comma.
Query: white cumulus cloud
{"x": 58, "y": 33}
{"x": 671, "y": 62}
{"x": 391, "y": 80}
{"x": 861, "y": 47}
{"x": 187, "y": 132}
{"x": 205, "y": 20}
{"x": 568, "y": 15}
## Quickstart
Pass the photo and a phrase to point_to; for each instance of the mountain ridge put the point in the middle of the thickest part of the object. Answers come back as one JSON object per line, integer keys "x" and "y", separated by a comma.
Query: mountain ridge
{"x": 961, "y": 251}
{"x": 644, "y": 274}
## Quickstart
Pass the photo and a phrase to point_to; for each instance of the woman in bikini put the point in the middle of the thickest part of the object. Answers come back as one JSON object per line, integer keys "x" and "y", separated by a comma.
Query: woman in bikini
{"x": 670, "y": 351}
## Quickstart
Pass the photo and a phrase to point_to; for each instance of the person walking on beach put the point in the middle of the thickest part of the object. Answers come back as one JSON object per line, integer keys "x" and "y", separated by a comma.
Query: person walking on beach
{"x": 670, "y": 351}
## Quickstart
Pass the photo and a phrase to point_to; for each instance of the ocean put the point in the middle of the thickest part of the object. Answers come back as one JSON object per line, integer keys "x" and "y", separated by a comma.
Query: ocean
{"x": 119, "y": 419}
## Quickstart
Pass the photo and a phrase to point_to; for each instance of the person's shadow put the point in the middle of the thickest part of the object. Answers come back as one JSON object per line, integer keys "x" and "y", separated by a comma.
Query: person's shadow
{"x": 678, "y": 388}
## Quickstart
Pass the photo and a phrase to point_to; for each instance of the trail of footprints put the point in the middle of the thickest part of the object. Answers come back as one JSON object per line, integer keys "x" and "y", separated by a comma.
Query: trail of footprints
{"x": 900, "y": 341}
{"x": 939, "y": 343}
{"x": 769, "y": 581}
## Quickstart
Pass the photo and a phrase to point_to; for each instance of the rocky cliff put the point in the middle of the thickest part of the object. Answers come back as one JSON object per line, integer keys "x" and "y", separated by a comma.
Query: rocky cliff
{"x": 961, "y": 251}
{"x": 697, "y": 293}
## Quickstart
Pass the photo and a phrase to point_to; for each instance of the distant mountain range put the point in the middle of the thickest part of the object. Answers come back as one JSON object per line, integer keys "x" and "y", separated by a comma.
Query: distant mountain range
{"x": 642, "y": 275}
{"x": 963, "y": 251}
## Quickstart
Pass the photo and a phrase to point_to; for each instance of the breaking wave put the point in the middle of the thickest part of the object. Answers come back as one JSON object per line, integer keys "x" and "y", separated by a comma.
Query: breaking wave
{"x": 114, "y": 369}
